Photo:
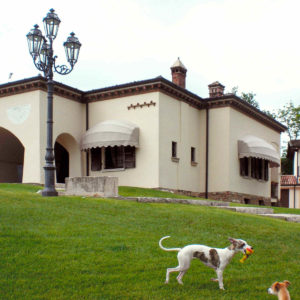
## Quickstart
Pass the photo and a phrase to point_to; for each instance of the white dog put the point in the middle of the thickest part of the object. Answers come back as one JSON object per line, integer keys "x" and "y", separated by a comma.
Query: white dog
{"x": 215, "y": 258}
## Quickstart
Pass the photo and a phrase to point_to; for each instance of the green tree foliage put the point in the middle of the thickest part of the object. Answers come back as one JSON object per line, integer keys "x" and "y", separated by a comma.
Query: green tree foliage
{"x": 289, "y": 115}
{"x": 286, "y": 164}
{"x": 248, "y": 97}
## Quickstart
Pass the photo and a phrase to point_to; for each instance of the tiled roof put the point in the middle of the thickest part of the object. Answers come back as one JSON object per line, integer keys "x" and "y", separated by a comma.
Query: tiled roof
{"x": 288, "y": 180}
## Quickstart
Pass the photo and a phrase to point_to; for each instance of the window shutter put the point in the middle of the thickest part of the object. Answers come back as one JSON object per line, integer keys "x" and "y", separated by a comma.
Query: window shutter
{"x": 96, "y": 159}
{"x": 242, "y": 167}
{"x": 253, "y": 165}
{"x": 266, "y": 170}
{"x": 129, "y": 157}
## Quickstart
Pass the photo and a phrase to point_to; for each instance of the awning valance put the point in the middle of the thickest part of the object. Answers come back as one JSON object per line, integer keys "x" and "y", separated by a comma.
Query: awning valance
{"x": 111, "y": 133}
{"x": 252, "y": 146}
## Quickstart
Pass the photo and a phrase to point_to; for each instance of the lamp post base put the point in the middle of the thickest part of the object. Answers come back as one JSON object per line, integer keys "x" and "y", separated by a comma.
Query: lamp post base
{"x": 49, "y": 190}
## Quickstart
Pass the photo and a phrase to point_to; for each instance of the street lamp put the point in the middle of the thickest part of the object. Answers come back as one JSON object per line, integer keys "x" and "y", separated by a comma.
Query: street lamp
{"x": 41, "y": 50}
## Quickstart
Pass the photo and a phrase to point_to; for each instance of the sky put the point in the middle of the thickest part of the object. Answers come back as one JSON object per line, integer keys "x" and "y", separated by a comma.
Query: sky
{"x": 251, "y": 44}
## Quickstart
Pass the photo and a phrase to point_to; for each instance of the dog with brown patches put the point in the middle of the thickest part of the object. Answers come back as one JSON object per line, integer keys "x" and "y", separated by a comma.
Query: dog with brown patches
{"x": 280, "y": 289}
{"x": 215, "y": 258}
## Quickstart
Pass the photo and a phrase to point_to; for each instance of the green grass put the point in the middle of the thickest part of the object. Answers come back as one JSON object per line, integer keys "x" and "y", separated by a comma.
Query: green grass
{"x": 89, "y": 248}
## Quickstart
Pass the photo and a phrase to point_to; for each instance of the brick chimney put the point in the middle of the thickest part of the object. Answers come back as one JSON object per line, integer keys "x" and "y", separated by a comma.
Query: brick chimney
{"x": 216, "y": 89}
{"x": 178, "y": 71}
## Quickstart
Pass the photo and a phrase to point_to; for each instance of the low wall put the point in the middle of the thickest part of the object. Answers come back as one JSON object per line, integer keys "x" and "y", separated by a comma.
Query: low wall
{"x": 226, "y": 196}
{"x": 103, "y": 186}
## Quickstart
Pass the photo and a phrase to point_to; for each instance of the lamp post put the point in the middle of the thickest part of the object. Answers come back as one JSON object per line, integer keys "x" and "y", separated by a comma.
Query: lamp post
{"x": 41, "y": 50}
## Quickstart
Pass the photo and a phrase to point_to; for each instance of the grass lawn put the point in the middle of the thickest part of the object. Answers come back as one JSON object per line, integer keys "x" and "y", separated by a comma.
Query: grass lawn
{"x": 92, "y": 248}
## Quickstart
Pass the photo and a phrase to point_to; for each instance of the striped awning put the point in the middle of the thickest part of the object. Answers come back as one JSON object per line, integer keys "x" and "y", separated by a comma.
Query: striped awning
{"x": 111, "y": 133}
{"x": 252, "y": 146}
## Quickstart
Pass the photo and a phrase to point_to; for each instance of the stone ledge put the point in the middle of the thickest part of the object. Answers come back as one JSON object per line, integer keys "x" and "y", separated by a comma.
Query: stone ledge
{"x": 286, "y": 217}
{"x": 174, "y": 200}
{"x": 250, "y": 210}
{"x": 102, "y": 186}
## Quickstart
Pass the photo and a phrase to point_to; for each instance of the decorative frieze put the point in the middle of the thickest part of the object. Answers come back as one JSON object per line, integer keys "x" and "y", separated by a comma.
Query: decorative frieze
{"x": 141, "y": 105}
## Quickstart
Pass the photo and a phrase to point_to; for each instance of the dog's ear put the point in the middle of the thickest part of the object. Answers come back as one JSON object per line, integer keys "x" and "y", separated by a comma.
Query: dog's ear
{"x": 276, "y": 286}
{"x": 286, "y": 282}
{"x": 232, "y": 240}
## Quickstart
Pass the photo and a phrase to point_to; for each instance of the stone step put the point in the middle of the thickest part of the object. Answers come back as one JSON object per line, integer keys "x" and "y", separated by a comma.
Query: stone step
{"x": 286, "y": 217}
{"x": 175, "y": 200}
{"x": 250, "y": 210}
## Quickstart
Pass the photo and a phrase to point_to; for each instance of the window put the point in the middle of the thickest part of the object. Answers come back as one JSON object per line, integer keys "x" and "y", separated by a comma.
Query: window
{"x": 193, "y": 154}
{"x": 246, "y": 201}
{"x": 244, "y": 166}
{"x": 257, "y": 168}
{"x": 112, "y": 158}
{"x": 274, "y": 190}
{"x": 174, "y": 149}
{"x": 96, "y": 159}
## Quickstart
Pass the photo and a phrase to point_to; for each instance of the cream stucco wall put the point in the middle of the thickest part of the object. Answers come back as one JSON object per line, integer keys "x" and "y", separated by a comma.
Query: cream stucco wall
{"x": 181, "y": 123}
{"x": 20, "y": 114}
{"x": 219, "y": 150}
{"x": 146, "y": 118}
{"x": 25, "y": 116}
{"x": 68, "y": 128}
{"x": 294, "y": 198}
{"x": 227, "y": 126}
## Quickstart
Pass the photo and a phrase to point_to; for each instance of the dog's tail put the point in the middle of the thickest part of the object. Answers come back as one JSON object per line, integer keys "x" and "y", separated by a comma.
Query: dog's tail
{"x": 167, "y": 249}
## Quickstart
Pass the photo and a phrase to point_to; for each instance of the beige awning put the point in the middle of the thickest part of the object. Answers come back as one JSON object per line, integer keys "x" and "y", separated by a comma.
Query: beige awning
{"x": 111, "y": 133}
{"x": 252, "y": 146}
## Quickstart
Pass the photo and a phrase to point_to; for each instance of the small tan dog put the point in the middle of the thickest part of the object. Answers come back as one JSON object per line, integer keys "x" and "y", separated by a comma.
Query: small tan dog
{"x": 280, "y": 289}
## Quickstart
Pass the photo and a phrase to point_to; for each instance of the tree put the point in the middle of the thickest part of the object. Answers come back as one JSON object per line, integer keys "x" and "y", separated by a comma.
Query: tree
{"x": 286, "y": 164}
{"x": 289, "y": 115}
{"x": 248, "y": 97}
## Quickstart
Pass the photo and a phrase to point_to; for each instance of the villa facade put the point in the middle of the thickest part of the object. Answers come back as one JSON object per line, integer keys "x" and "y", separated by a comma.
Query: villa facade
{"x": 152, "y": 133}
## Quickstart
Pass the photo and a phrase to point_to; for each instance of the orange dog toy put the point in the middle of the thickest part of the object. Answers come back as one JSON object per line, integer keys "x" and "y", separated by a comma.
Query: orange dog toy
{"x": 246, "y": 255}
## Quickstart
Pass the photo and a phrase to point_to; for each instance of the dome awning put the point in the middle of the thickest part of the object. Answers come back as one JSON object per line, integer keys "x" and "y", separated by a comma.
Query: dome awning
{"x": 252, "y": 146}
{"x": 111, "y": 133}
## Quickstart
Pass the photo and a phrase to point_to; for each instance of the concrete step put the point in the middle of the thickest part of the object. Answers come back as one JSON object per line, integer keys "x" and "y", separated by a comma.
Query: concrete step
{"x": 286, "y": 217}
{"x": 250, "y": 210}
{"x": 175, "y": 200}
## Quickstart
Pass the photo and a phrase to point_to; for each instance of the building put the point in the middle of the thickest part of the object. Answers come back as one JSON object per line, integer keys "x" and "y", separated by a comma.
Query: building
{"x": 290, "y": 184}
{"x": 152, "y": 133}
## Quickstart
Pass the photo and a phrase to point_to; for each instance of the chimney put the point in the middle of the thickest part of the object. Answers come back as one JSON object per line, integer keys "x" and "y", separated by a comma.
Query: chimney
{"x": 178, "y": 71}
{"x": 216, "y": 89}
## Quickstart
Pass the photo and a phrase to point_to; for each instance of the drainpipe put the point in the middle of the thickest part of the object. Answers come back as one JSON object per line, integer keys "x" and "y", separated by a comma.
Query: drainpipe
{"x": 86, "y": 128}
{"x": 297, "y": 164}
{"x": 206, "y": 159}
{"x": 294, "y": 196}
